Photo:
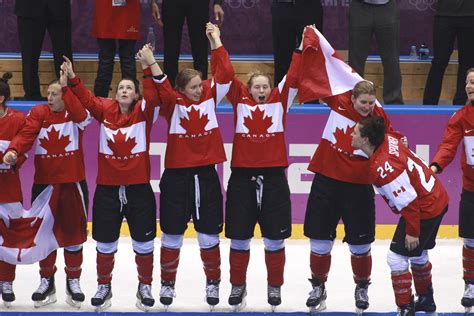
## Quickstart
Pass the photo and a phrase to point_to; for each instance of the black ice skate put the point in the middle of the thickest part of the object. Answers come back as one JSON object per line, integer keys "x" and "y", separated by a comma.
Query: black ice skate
{"x": 361, "y": 297}
{"x": 74, "y": 295}
{"x": 46, "y": 293}
{"x": 212, "y": 293}
{"x": 468, "y": 298}
{"x": 274, "y": 296}
{"x": 425, "y": 303}
{"x": 102, "y": 298}
{"x": 167, "y": 293}
{"x": 237, "y": 297}
{"x": 317, "y": 297}
{"x": 407, "y": 310}
{"x": 145, "y": 300}
{"x": 7, "y": 293}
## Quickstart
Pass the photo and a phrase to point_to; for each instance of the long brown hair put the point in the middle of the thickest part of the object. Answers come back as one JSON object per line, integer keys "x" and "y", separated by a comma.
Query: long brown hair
{"x": 184, "y": 76}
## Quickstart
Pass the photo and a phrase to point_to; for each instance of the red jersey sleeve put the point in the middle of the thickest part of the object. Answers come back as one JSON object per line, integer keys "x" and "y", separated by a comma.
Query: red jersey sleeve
{"x": 288, "y": 86}
{"x": 75, "y": 109}
{"x": 223, "y": 73}
{"x": 22, "y": 142}
{"x": 167, "y": 96}
{"x": 88, "y": 100}
{"x": 453, "y": 135}
{"x": 150, "y": 96}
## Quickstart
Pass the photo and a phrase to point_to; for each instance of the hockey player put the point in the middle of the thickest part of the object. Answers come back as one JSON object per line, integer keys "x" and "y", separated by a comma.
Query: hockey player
{"x": 58, "y": 127}
{"x": 190, "y": 186}
{"x": 461, "y": 128}
{"x": 258, "y": 190}
{"x": 411, "y": 189}
{"x": 123, "y": 180}
{"x": 11, "y": 121}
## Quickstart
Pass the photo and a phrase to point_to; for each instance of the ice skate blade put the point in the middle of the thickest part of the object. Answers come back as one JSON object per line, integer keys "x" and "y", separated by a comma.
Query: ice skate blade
{"x": 468, "y": 311}
{"x": 166, "y": 307}
{"x": 239, "y": 307}
{"x": 143, "y": 307}
{"x": 273, "y": 307}
{"x": 7, "y": 304}
{"x": 318, "y": 308}
{"x": 73, "y": 303}
{"x": 359, "y": 311}
{"x": 211, "y": 308}
{"x": 103, "y": 307}
{"x": 51, "y": 299}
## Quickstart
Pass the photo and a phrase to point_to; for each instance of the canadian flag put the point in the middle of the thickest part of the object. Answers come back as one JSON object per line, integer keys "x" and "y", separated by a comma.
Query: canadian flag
{"x": 399, "y": 191}
{"x": 28, "y": 236}
{"x": 322, "y": 71}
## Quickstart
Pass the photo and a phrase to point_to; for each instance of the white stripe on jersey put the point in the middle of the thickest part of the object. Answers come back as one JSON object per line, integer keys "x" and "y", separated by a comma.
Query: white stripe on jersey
{"x": 136, "y": 131}
{"x": 221, "y": 90}
{"x": 469, "y": 149}
{"x": 3, "y": 147}
{"x": 182, "y": 112}
{"x": 399, "y": 192}
{"x": 68, "y": 129}
{"x": 273, "y": 110}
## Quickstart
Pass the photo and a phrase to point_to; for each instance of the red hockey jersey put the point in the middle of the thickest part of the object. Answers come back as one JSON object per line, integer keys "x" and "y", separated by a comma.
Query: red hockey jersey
{"x": 10, "y": 125}
{"x": 117, "y": 22}
{"x": 124, "y": 137}
{"x": 335, "y": 157}
{"x": 259, "y": 139}
{"x": 460, "y": 127}
{"x": 58, "y": 150}
{"x": 407, "y": 184}
{"x": 194, "y": 138}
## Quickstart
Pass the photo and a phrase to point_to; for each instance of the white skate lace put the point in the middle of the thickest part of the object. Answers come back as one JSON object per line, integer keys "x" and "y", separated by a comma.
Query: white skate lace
{"x": 236, "y": 290}
{"x": 7, "y": 288}
{"x": 145, "y": 290}
{"x": 274, "y": 291}
{"x": 167, "y": 291}
{"x": 361, "y": 294}
{"x": 74, "y": 285}
{"x": 212, "y": 290}
{"x": 102, "y": 291}
{"x": 44, "y": 284}
{"x": 469, "y": 291}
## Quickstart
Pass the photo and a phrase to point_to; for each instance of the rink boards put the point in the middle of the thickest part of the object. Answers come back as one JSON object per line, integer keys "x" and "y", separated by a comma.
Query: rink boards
{"x": 424, "y": 127}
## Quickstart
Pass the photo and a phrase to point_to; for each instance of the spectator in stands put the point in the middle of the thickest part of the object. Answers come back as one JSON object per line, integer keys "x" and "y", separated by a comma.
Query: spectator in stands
{"x": 34, "y": 18}
{"x": 379, "y": 17}
{"x": 453, "y": 20}
{"x": 196, "y": 13}
{"x": 116, "y": 25}
{"x": 289, "y": 17}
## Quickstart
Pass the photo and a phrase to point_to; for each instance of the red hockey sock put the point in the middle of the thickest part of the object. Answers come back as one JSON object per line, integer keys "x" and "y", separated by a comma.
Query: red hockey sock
{"x": 145, "y": 268}
{"x": 105, "y": 266}
{"x": 422, "y": 277}
{"x": 7, "y": 271}
{"x": 320, "y": 265}
{"x": 239, "y": 261}
{"x": 275, "y": 261}
{"x": 401, "y": 282}
{"x": 47, "y": 265}
{"x": 361, "y": 267}
{"x": 169, "y": 262}
{"x": 468, "y": 263}
{"x": 73, "y": 261}
{"x": 211, "y": 261}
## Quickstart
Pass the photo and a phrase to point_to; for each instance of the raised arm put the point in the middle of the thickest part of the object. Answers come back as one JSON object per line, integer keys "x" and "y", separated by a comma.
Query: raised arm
{"x": 150, "y": 94}
{"x": 449, "y": 145}
{"x": 86, "y": 98}
{"x": 221, "y": 67}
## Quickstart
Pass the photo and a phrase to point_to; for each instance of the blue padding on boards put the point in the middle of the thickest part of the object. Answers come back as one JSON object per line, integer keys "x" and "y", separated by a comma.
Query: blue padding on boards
{"x": 304, "y": 108}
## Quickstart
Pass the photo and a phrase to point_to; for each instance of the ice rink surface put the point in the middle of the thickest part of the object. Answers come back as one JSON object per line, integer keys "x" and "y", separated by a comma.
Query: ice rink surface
{"x": 447, "y": 280}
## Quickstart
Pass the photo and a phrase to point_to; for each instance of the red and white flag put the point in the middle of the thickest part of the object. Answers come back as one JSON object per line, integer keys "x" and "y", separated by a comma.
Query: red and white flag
{"x": 322, "y": 71}
{"x": 28, "y": 236}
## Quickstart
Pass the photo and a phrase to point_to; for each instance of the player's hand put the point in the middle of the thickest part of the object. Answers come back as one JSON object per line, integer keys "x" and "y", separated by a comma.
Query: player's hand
{"x": 10, "y": 158}
{"x": 411, "y": 242}
{"x": 434, "y": 168}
